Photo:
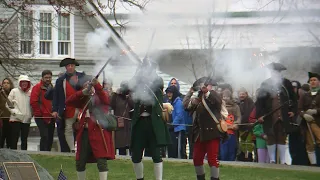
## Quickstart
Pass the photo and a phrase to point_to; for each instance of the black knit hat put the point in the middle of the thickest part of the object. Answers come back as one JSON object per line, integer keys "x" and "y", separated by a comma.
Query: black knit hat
{"x": 312, "y": 75}
{"x": 276, "y": 66}
{"x": 205, "y": 81}
{"x": 67, "y": 61}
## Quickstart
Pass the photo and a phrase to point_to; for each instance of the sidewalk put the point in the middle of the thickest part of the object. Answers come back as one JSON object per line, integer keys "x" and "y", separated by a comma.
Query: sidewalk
{"x": 222, "y": 163}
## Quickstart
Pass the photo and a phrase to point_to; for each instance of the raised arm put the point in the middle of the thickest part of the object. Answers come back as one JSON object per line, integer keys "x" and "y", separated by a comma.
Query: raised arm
{"x": 187, "y": 98}
{"x": 77, "y": 100}
{"x": 103, "y": 95}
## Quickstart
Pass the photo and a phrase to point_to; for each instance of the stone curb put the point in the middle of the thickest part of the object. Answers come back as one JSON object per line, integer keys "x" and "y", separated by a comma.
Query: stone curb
{"x": 222, "y": 163}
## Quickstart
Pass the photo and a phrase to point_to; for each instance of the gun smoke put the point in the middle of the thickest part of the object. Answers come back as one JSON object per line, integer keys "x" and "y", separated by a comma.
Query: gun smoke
{"x": 235, "y": 54}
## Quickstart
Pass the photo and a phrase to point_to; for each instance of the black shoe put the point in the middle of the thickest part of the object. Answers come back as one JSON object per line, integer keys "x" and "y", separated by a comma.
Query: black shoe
{"x": 140, "y": 179}
{"x": 201, "y": 177}
{"x": 73, "y": 151}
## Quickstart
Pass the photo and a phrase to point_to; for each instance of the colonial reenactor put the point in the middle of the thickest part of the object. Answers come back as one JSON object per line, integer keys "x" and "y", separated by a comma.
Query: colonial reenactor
{"x": 122, "y": 104}
{"x": 309, "y": 108}
{"x": 65, "y": 86}
{"x": 149, "y": 130}
{"x": 275, "y": 108}
{"x": 94, "y": 143}
{"x": 205, "y": 132}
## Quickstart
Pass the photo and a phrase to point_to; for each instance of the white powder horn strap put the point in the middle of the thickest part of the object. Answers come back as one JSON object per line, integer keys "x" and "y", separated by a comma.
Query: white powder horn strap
{"x": 209, "y": 111}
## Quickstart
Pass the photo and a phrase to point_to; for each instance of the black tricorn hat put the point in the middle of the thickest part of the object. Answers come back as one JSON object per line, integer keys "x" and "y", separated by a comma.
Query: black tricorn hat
{"x": 206, "y": 81}
{"x": 276, "y": 66}
{"x": 67, "y": 61}
{"x": 311, "y": 75}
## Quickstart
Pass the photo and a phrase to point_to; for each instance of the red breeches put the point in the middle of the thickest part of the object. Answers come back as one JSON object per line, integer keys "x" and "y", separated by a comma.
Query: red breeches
{"x": 211, "y": 148}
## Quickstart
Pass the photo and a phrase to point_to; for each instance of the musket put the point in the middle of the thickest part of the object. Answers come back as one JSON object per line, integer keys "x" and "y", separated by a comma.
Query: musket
{"x": 103, "y": 77}
{"x": 151, "y": 41}
{"x": 101, "y": 70}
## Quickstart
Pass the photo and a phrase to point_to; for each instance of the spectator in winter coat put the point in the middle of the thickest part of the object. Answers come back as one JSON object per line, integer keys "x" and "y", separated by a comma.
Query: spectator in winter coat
{"x": 5, "y": 136}
{"x": 50, "y": 89}
{"x": 228, "y": 148}
{"x": 261, "y": 144}
{"x": 178, "y": 118}
{"x": 42, "y": 110}
{"x": 21, "y": 114}
{"x": 172, "y": 148}
{"x": 246, "y": 105}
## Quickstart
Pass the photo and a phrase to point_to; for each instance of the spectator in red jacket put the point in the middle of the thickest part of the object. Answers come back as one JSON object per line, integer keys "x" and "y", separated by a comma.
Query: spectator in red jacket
{"x": 42, "y": 110}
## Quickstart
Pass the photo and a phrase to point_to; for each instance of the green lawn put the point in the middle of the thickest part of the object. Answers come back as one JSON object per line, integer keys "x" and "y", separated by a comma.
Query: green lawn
{"x": 122, "y": 170}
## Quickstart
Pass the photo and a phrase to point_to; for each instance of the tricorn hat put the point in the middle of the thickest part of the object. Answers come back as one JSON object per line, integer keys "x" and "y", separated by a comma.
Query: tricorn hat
{"x": 276, "y": 66}
{"x": 311, "y": 75}
{"x": 205, "y": 81}
{"x": 67, "y": 61}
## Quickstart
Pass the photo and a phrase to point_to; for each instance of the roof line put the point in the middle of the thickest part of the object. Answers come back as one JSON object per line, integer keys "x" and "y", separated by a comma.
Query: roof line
{"x": 234, "y": 14}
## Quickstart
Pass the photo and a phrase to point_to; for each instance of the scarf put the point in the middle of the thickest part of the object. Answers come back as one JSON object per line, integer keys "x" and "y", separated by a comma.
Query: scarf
{"x": 316, "y": 89}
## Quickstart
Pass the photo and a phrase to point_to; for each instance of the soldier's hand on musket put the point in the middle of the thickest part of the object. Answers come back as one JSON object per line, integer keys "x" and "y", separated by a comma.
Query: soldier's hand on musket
{"x": 94, "y": 81}
{"x": 291, "y": 114}
{"x": 86, "y": 91}
{"x": 260, "y": 119}
{"x": 311, "y": 111}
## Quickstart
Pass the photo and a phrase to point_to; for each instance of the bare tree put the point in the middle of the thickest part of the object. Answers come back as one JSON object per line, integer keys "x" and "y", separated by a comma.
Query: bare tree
{"x": 11, "y": 47}
{"x": 208, "y": 39}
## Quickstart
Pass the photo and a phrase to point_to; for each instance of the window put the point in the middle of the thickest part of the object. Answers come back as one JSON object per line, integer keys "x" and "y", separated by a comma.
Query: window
{"x": 63, "y": 35}
{"x": 26, "y": 33}
{"x": 45, "y": 33}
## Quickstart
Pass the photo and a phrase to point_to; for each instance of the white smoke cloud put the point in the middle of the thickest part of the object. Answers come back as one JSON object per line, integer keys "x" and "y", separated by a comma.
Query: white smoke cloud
{"x": 174, "y": 20}
{"x": 97, "y": 46}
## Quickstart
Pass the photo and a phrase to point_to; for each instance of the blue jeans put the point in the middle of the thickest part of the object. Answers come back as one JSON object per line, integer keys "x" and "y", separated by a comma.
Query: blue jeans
{"x": 228, "y": 149}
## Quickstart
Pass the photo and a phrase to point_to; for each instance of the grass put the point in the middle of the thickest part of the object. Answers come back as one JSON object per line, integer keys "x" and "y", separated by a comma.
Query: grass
{"x": 122, "y": 170}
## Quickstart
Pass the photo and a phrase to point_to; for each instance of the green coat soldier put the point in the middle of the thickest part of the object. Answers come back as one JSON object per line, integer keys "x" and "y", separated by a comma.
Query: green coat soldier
{"x": 149, "y": 130}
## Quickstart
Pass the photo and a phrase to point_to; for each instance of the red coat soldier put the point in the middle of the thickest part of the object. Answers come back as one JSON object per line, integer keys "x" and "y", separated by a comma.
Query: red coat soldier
{"x": 94, "y": 144}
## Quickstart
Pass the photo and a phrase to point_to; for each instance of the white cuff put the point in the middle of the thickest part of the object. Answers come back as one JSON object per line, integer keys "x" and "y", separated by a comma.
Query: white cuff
{"x": 207, "y": 94}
